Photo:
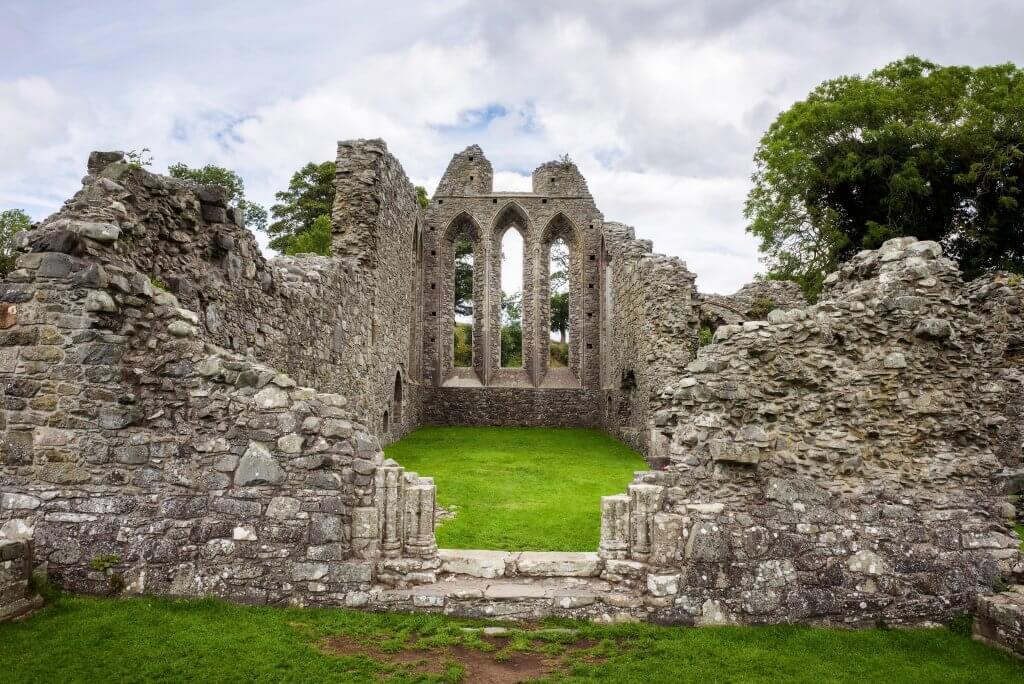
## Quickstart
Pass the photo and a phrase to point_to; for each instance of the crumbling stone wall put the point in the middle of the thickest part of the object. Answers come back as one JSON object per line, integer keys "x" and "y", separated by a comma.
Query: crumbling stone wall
{"x": 650, "y": 330}
{"x": 837, "y": 463}
{"x": 145, "y": 456}
{"x": 743, "y": 305}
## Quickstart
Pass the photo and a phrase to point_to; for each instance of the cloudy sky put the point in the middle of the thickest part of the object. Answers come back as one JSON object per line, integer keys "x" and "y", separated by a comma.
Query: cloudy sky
{"x": 661, "y": 103}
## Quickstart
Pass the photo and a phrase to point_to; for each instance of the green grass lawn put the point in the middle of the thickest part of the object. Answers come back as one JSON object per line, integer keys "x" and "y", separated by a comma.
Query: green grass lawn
{"x": 519, "y": 489}
{"x": 161, "y": 640}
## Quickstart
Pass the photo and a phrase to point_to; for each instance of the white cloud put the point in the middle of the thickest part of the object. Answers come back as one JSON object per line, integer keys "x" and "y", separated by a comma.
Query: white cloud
{"x": 661, "y": 103}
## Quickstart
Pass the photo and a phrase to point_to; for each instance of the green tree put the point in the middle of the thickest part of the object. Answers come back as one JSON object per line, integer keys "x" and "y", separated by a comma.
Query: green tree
{"x": 255, "y": 215}
{"x": 559, "y": 279}
{"x": 309, "y": 196}
{"x": 912, "y": 149}
{"x": 422, "y": 198}
{"x": 463, "y": 276}
{"x": 12, "y": 221}
{"x": 560, "y": 314}
{"x": 512, "y": 330}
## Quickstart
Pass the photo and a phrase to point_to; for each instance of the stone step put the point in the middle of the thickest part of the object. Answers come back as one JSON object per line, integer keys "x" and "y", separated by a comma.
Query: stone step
{"x": 495, "y": 564}
{"x": 520, "y": 598}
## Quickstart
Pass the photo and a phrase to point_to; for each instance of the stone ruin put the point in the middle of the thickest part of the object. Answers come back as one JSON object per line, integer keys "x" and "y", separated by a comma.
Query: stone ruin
{"x": 184, "y": 417}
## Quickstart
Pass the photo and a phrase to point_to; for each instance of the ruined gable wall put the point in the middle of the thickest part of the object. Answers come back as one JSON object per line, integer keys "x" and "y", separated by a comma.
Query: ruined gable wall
{"x": 838, "y": 463}
{"x": 129, "y": 434}
{"x": 506, "y": 396}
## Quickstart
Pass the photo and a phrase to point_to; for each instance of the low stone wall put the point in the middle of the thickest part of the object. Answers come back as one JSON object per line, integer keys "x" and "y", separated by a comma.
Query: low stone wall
{"x": 512, "y": 406}
{"x": 999, "y": 620}
{"x": 16, "y": 595}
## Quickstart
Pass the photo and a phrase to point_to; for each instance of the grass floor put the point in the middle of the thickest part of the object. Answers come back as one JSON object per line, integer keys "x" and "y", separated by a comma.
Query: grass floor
{"x": 161, "y": 640}
{"x": 519, "y": 489}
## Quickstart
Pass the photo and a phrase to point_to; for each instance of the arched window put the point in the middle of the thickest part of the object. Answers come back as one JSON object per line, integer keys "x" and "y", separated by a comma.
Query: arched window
{"x": 386, "y": 424}
{"x": 416, "y": 308}
{"x": 462, "y": 342}
{"x": 396, "y": 400}
{"x": 511, "y": 299}
{"x": 558, "y": 275}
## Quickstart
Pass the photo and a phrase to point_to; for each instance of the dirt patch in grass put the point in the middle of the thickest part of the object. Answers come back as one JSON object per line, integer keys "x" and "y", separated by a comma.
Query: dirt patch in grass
{"x": 462, "y": 663}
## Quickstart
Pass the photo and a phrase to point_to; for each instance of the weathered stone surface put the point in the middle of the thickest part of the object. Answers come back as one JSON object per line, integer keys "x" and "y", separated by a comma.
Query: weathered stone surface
{"x": 258, "y": 467}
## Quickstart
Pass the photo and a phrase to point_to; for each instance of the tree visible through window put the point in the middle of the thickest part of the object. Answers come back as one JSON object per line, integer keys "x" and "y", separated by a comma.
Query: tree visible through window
{"x": 559, "y": 344}
{"x": 462, "y": 355}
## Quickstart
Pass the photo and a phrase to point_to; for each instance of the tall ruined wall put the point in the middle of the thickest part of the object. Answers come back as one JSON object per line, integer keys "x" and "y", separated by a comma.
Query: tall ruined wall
{"x": 377, "y": 224}
{"x": 144, "y": 455}
{"x": 649, "y": 324}
{"x": 841, "y": 463}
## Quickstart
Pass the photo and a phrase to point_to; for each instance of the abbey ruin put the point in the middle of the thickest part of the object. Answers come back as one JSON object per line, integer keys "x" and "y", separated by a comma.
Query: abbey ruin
{"x": 215, "y": 420}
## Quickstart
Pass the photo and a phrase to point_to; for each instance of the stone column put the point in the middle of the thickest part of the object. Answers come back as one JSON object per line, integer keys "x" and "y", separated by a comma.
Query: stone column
{"x": 614, "y": 526}
{"x": 419, "y": 516}
{"x": 645, "y": 501}
{"x": 390, "y": 491}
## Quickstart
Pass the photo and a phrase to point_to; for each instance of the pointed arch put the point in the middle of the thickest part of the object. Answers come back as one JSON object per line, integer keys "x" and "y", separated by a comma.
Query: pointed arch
{"x": 560, "y": 228}
{"x": 512, "y": 370}
{"x": 511, "y": 214}
{"x": 463, "y": 226}
{"x": 397, "y": 399}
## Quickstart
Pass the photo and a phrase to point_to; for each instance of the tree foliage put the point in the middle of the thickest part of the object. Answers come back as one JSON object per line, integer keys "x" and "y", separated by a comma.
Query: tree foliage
{"x": 422, "y": 198}
{"x": 310, "y": 196}
{"x": 12, "y": 221}
{"x": 912, "y": 149}
{"x": 559, "y": 279}
{"x": 255, "y": 215}
{"x": 463, "y": 276}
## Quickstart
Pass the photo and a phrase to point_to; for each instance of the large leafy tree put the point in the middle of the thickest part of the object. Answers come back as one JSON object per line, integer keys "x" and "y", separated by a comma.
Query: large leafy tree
{"x": 912, "y": 149}
{"x": 12, "y": 221}
{"x": 255, "y": 215}
{"x": 310, "y": 196}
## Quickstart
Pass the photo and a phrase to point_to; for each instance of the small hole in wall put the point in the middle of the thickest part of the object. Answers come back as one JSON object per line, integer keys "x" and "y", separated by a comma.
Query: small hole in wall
{"x": 440, "y": 201}
{"x": 543, "y": 201}
{"x": 433, "y": 286}
{"x": 593, "y": 257}
{"x": 590, "y": 286}
{"x": 590, "y": 346}
{"x": 589, "y": 314}
{"x": 433, "y": 313}
{"x": 494, "y": 201}
{"x": 470, "y": 159}
{"x": 552, "y": 179}
{"x": 433, "y": 252}
{"x": 470, "y": 178}
{"x": 592, "y": 225}
{"x": 432, "y": 339}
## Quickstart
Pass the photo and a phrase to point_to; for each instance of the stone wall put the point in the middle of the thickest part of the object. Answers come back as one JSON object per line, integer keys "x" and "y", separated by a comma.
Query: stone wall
{"x": 17, "y": 596}
{"x": 144, "y": 456}
{"x": 743, "y": 305}
{"x": 649, "y": 325}
{"x": 838, "y": 463}
{"x": 513, "y": 406}
{"x": 999, "y": 621}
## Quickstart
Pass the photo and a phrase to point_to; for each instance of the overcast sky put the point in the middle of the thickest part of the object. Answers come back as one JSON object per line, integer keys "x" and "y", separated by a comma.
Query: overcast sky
{"x": 661, "y": 103}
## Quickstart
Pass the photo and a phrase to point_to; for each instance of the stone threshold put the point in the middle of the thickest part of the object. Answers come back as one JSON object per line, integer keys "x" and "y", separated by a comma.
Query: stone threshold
{"x": 494, "y": 564}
